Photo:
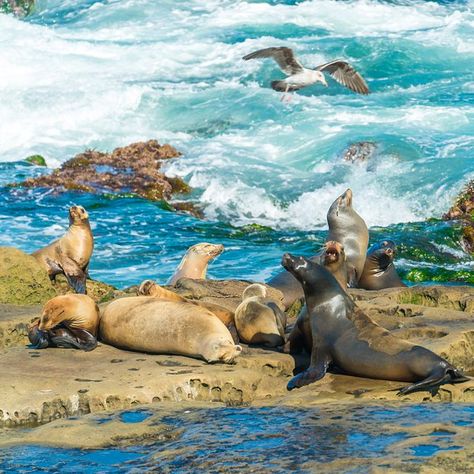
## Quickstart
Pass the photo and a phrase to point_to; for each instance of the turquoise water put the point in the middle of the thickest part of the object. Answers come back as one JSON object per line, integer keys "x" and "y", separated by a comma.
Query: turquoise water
{"x": 102, "y": 74}
{"x": 277, "y": 440}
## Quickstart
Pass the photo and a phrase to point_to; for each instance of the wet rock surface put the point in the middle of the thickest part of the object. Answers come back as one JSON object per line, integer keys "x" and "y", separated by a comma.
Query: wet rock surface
{"x": 360, "y": 152}
{"x": 130, "y": 170}
{"x": 19, "y": 8}
{"x": 355, "y": 438}
{"x": 39, "y": 386}
{"x": 463, "y": 211}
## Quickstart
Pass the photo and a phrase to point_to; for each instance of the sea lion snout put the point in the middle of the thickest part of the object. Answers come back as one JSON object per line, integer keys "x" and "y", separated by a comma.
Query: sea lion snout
{"x": 78, "y": 214}
{"x": 287, "y": 261}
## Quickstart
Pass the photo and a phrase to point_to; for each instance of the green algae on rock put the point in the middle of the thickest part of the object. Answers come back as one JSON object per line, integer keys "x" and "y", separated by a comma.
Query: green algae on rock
{"x": 22, "y": 280}
{"x": 133, "y": 169}
{"x": 36, "y": 160}
{"x": 20, "y": 8}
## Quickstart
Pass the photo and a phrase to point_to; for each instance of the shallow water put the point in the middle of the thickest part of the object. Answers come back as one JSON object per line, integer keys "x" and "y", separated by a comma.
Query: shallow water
{"x": 276, "y": 439}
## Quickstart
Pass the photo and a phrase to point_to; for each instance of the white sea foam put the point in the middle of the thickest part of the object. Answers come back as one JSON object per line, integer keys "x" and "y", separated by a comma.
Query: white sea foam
{"x": 112, "y": 73}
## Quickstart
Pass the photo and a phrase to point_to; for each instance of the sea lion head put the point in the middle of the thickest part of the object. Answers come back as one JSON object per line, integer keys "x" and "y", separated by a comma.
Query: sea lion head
{"x": 341, "y": 204}
{"x": 77, "y": 215}
{"x": 207, "y": 250}
{"x": 256, "y": 289}
{"x": 224, "y": 351}
{"x": 345, "y": 199}
{"x": 382, "y": 253}
{"x": 146, "y": 288}
{"x": 333, "y": 252}
{"x": 54, "y": 312}
{"x": 314, "y": 278}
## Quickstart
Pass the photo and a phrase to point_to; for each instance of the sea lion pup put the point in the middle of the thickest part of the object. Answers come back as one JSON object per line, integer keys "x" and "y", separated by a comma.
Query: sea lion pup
{"x": 332, "y": 256}
{"x": 259, "y": 320}
{"x": 379, "y": 271}
{"x": 70, "y": 255}
{"x": 150, "y": 288}
{"x": 343, "y": 336}
{"x": 144, "y": 324}
{"x": 348, "y": 228}
{"x": 195, "y": 261}
{"x": 67, "y": 321}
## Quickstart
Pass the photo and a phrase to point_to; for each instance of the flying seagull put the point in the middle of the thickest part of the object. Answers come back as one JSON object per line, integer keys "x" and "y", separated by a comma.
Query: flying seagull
{"x": 300, "y": 76}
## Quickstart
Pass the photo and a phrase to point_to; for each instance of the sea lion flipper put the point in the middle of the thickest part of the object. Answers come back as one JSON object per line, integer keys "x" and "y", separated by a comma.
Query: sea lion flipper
{"x": 75, "y": 276}
{"x": 316, "y": 371}
{"x": 77, "y": 339}
{"x": 39, "y": 339}
{"x": 437, "y": 378}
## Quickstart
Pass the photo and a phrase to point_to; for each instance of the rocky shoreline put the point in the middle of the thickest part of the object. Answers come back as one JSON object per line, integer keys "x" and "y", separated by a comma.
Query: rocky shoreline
{"x": 43, "y": 385}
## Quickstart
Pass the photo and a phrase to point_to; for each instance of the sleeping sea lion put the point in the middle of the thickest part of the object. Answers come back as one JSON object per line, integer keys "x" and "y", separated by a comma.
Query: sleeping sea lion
{"x": 195, "y": 261}
{"x": 67, "y": 321}
{"x": 379, "y": 271}
{"x": 146, "y": 324}
{"x": 150, "y": 288}
{"x": 332, "y": 256}
{"x": 259, "y": 320}
{"x": 348, "y": 228}
{"x": 70, "y": 255}
{"x": 343, "y": 336}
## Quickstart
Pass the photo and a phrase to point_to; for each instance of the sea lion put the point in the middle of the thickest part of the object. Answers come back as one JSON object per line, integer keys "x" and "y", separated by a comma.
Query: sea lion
{"x": 332, "y": 256}
{"x": 379, "y": 271}
{"x": 150, "y": 288}
{"x": 348, "y": 228}
{"x": 195, "y": 261}
{"x": 70, "y": 255}
{"x": 343, "y": 336}
{"x": 259, "y": 320}
{"x": 141, "y": 323}
{"x": 67, "y": 321}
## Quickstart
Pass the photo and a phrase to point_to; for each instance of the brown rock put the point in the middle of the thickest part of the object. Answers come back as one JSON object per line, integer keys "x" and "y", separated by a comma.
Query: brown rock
{"x": 134, "y": 169}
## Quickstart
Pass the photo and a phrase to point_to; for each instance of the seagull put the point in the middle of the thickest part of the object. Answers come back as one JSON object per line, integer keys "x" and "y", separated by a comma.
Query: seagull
{"x": 300, "y": 76}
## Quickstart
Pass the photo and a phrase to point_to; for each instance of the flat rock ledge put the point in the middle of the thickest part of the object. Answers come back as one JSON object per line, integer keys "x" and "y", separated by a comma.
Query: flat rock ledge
{"x": 39, "y": 386}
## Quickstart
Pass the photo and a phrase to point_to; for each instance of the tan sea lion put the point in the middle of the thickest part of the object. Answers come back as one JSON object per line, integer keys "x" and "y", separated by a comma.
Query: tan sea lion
{"x": 259, "y": 320}
{"x": 195, "y": 261}
{"x": 379, "y": 271}
{"x": 67, "y": 321}
{"x": 70, "y": 255}
{"x": 150, "y": 288}
{"x": 348, "y": 228}
{"x": 332, "y": 256}
{"x": 343, "y": 336}
{"x": 144, "y": 324}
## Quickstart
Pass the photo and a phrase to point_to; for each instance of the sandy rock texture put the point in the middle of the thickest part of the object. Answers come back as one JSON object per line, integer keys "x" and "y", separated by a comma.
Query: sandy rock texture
{"x": 38, "y": 386}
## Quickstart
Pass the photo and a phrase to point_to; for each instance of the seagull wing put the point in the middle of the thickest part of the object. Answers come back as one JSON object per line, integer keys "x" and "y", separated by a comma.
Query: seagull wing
{"x": 283, "y": 56}
{"x": 345, "y": 74}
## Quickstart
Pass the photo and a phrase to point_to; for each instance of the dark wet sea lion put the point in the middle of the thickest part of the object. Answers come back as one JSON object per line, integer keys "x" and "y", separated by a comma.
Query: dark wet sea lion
{"x": 147, "y": 324}
{"x": 332, "y": 256}
{"x": 344, "y": 337}
{"x": 348, "y": 228}
{"x": 70, "y": 255}
{"x": 195, "y": 261}
{"x": 259, "y": 320}
{"x": 379, "y": 271}
{"x": 67, "y": 321}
